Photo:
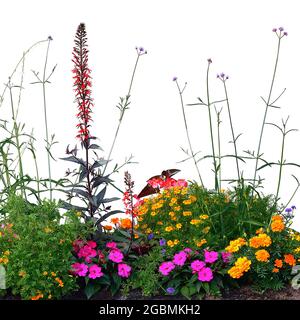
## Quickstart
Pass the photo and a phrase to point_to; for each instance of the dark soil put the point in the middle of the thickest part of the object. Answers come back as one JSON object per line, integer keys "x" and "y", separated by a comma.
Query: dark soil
{"x": 243, "y": 293}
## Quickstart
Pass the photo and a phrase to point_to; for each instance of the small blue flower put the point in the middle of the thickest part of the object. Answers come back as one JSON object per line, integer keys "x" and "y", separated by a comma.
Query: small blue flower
{"x": 150, "y": 236}
{"x": 293, "y": 207}
{"x": 162, "y": 242}
{"x": 170, "y": 290}
{"x": 288, "y": 210}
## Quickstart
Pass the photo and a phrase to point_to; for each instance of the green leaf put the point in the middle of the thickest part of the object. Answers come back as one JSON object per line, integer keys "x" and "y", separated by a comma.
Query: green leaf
{"x": 91, "y": 289}
{"x": 185, "y": 291}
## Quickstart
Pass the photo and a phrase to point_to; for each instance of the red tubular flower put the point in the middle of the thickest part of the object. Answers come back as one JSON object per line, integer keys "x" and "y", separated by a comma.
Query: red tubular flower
{"x": 82, "y": 83}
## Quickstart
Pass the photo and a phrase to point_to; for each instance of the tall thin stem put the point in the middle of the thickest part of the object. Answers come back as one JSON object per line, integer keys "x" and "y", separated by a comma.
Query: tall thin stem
{"x": 280, "y": 165}
{"x": 122, "y": 108}
{"x": 211, "y": 129}
{"x": 232, "y": 132}
{"x": 187, "y": 131}
{"x": 266, "y": 110}
{"x": 219, "y": 147}
{"x": 46, "y": 119}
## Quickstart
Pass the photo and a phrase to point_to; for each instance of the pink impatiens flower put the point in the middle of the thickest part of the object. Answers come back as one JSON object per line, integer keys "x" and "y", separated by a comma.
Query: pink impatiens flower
{"x": 180, "y": 258}
{"x": 111, "y": 245}
{"x": 197, "y": 265}
{"x": 77, "y": 244}
{"x": 124, "y": 270}
{"x": 92, "y": 244}
{"x": 116, "y": 256}
{"x": 205, "y": 275}
{"x": 87, "y": 253}
{"x": 226, "y": 256}
{"x": 210, "y": 256}
{"x": 80, "y": 269}
{"x": 95, "y": 272}
{"x": 166, "y": 267}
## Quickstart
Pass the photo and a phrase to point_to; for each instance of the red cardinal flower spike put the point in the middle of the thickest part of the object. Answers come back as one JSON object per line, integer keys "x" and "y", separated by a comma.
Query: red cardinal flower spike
{"x": 82, "y": 84}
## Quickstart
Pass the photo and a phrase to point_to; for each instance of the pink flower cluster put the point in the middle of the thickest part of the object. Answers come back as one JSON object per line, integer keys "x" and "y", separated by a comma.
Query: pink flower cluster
{"x": 87, "y": 251}
{"x": 168, "y": 183}
{"x": 202, "y": 268}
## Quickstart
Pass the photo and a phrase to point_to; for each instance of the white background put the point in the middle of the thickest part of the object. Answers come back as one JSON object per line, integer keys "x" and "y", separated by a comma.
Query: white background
{"x": 179, "y": 37}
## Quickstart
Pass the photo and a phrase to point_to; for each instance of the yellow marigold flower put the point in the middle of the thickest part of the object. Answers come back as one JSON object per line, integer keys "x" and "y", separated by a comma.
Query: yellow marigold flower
{"x": 170, "y": 243}
{"x": 297, "y": 250}
{"x": 259, "y": 231}
{"x": 149, "y": 230}
{"x": 278, "y": 263}
{"x": 153, "y": 213}
{"x": 235, "y": 272}
{"x": 193, "y": 198}
{"x": 174, "y": 219}
{"x": 22, "y": 273}
{"x": 195, "y": 221}
{"x": 4, "y": 260}
{"x": 176, "y": 241}
{"x": 172, "y": 213}
{"x": 262, "y": 255}
{"x": 169, "y": 228}
{"x": 203, "y": 216}
{"x": 262, "y": 240}
{"x": 187, "y": 202}
{"x": 177, "y": 208}
{"x": 53, "y": 274}
{"x": 47, "y": 230}
{"x": 290, "y": 259}
{"x": 173, "y": 201}
{"x": 178, "y": 225}
{"x": 243, "y": 263}
{"x": 187, "y": 213}
{"x": 277, "y": 224}
{"x": 160, "y": 223}
{"x": 275, "y": 270}
{"x": 139, "y": 218}
{"x": 177, "y": 190}
{"x": 6, "y": 253}
{"x": 45, "y": 273}
{"x": 235, "y": 245}
{"x": 136, "y": 236}
{"x": 201, "y": 243}
{"x": 206, "y": 230}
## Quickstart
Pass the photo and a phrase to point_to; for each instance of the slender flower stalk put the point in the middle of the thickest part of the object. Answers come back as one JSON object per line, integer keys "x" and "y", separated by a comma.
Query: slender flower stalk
{"x": 17, "y": 138}
{"x": 82, "y": 84}
{"x": 180, "y": 91}
{"x": 280, "y": 34}
{"x": 124, "y": 103}
{"x": 210, "y": 126}
{"x": 224, "y": 78}
{"x": 218, "y": 113}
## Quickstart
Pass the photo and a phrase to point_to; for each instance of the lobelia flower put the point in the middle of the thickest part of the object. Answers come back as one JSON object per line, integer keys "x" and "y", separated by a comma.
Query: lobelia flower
{"x": 180, "y": 258}
{"x": 95, "y": 272}
{"x": 166, "y": 267}
{"x": 116, "y": 256}
{"x": 162, "y": 242}
{"x": 170, "y": 290}
{"x": 197, "y": 265}
{"x": 210, "y": 256}
{"x": 150, "y": 236}
{"x": 82, "y": 83}
{"x": 80, "y": 269}
{"x": 205, "y": 275}
{"x": 124, "y": 270}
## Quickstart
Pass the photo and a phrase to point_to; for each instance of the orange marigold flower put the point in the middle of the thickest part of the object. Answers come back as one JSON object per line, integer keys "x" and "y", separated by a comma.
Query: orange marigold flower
{"x": 115, "y": 220}
{"x": 278, "y": 263}
{"x": 275, "y": 270}
{"x": 107, "y": 227}
{"x": 262, "y": 240}
{"x": 126, "y": 223}
{"x": 262, "y": 255}
{"x": 235, "y": 245}
{"x": 290, "y": 259}
{"x": 277, "y": 224}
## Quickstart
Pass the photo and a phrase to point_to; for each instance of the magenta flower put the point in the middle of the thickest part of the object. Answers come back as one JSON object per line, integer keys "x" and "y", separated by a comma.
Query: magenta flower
{"x": 181, "y": 183}
{"x": 210, "y": 256}
{"x": 92, "y": 244}
{"x": 116, "y": 256}
{"x": 197, "y": 265}
{"x": 77, "y": 244}
{"x": 166, "y": 267}
{"x": 188, "y": 250}
{"x": 80, "y": 269}
{"x": 95, "y": 272}
{"x": 87, "y": 253}
{"x": 226, "y": 256}
{"x": 111, "y": 245}
{"x": 124, "y": 270}
{"x": 205, "y": 275}
{"x": 180, "y": 258}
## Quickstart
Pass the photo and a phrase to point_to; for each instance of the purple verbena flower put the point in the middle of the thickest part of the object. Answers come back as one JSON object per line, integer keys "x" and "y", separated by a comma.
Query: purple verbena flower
{"x": 170, "y": 290}
{"x": 150, "y": 236}
{"x": 274, "y": 29}
{"x": 209, "y": 60}
{"x": 174, "y": 78}
{"x": 281, "y": 29}
{"x": 293, "y": 207}
{"x": 162, "y": 242}
{"x": 288, "y": 210}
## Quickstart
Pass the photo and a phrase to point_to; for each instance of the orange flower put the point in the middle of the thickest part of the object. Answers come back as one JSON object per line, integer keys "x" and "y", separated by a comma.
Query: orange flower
{"x": 115, "y": 220}
{"x": 278, "y": 263}
{"x": 262, "y": 240}
{"x": 277, "y": 224}
{"x": 290, "y": 259}
{"x": 262, "y": 255}
{"x": 126, "y": 223}
{"x": 37, "y": 297}
{"x": 107, "y": 227}
{"x": 275, "y": 270}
